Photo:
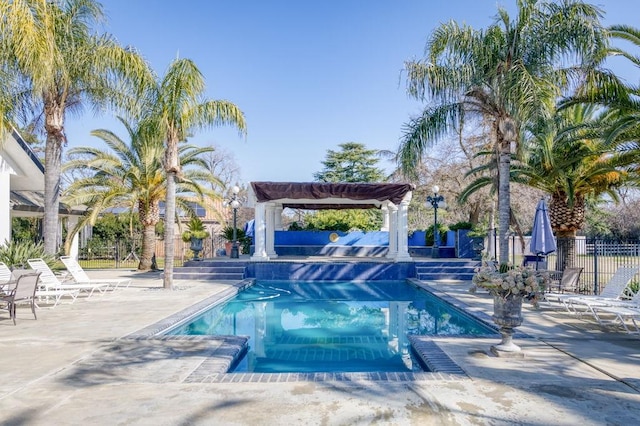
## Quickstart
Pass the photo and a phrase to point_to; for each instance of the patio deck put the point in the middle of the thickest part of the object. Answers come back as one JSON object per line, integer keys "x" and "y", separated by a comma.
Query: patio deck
{"x": 55, "y": 372}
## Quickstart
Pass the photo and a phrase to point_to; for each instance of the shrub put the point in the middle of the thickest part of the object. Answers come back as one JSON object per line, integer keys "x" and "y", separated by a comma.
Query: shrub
{"x": 442, "y": 230}
{"x": 16, "y": 253}
{"x": 461, "y": 225}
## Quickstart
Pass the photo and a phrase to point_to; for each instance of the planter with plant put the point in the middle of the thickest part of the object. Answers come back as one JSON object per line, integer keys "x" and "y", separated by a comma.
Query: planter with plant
{"x": 509, "y": 285}
{"x": 227, "y": 234}
{"x": 195, "y": 233}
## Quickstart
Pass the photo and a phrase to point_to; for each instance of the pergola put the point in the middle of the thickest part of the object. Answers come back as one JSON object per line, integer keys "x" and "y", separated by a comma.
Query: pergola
{"x": 270, "y": 198}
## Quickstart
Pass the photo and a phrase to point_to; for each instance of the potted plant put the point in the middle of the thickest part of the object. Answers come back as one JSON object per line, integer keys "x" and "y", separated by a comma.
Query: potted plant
{"x": 195, "y": 233}
{"x": 509, "y": 285}
{"x": 227, "y": 234}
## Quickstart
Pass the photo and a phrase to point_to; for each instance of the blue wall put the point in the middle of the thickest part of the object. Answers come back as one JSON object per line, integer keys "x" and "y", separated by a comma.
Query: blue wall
{"x": 355, "y": 238}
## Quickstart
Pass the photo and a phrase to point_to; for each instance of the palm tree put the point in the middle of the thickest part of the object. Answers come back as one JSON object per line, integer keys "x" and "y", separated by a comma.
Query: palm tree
{"x": 64, "y": 65}
{"x": 132, "y": 176}
{"x": 570, "y": 158}
{"x": 506, "y": 74}
{"x": 177, "y": 107}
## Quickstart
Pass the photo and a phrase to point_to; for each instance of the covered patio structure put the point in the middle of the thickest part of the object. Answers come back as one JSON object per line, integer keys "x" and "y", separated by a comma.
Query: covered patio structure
{"x": 270, "y": 198}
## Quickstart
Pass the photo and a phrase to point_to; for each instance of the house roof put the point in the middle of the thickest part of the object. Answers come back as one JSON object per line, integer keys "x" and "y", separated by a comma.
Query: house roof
{"x": 31, "y": 204}
{"x": 324, "y": 195}
{"x": 27, "y": 170}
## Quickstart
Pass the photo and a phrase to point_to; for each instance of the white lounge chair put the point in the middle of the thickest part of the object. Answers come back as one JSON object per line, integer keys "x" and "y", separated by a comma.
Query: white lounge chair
{"x": 621, "y": 310}
{"x": 5, "y": 273}
{"x": 51, "y": 282}
{"x": 80, "y": 276}
{"x": 622, "y": 314}
{"x": 614, "y": 291}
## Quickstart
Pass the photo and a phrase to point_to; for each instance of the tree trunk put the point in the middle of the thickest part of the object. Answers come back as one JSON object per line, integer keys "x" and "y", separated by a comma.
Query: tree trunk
{"x": 148, "y": 247}
{"x": 149, "y": 216}
{"x": 52, "y": 173}
{"x": 169, "y": 232}
{"x": 504, "y": 201}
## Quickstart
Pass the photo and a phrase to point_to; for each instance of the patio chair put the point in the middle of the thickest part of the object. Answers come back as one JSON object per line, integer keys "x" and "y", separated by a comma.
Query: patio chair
{"x": 563, "y": 284}
{"x": 80, "y": 276}
{"x": 23, "y": 291}
{"x": 614, "y": 291}
{"x": 50, "y": 281}
{"x": 44, "y": 295}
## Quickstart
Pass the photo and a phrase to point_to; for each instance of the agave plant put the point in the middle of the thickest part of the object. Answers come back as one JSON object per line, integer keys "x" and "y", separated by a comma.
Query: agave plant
{"x": 15, "y": 254}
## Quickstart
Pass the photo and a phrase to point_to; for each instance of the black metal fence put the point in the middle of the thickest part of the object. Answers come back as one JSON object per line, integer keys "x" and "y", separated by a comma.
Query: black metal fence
{"x": 126, "y": 253}
{"x": 599, "y": 258}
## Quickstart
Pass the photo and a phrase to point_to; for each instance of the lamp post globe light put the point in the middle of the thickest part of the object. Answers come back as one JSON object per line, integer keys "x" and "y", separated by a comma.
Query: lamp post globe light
{"x": 235, "y": 204}
{"x": 434, "y": 201}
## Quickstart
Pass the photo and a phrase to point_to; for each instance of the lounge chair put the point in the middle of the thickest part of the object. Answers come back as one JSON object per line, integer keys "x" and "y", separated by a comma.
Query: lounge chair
{"x": 51, "y": 282}
{"x": 23, "y": 291}
{"x": 622, "y": 313}
{"x": 80, "y": 276}
{"x": 5, "y": 273}
{"x": 614, "y": 291}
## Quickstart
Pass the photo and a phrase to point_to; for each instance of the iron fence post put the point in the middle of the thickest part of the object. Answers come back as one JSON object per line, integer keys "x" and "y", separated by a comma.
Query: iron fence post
{"x": 595, "y": 266}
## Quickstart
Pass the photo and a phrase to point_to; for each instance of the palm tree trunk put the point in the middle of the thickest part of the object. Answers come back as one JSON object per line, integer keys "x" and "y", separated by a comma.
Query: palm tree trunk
{"x": 504, "y": 202}
{"x": 169, "y": 232}
{"x": 566, "y": 253}
{"x": 148, "y": 247}
{"x": 52, "y": 174}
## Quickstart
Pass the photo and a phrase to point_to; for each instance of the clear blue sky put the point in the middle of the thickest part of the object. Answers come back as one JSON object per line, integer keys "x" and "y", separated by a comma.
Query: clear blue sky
{"x": 308, "y": 74}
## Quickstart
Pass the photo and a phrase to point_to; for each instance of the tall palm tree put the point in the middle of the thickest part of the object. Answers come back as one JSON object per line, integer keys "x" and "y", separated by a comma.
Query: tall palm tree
{"x": 64, "y": 65}
{"x": 507, "y": 74}
{"x": 177, "y": 107}
{"x": 570, "y": 158}
{"x": 131, "y": 176}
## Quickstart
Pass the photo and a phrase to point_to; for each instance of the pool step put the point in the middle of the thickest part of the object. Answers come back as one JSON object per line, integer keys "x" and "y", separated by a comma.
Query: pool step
{"x": 432, "y": 270}
{"x": 446, "y": 270}
{"x": 234, "y": 271}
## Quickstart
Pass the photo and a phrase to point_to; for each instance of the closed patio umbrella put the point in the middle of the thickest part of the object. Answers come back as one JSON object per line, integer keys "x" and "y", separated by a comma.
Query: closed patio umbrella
{"x": 542, "y": 240}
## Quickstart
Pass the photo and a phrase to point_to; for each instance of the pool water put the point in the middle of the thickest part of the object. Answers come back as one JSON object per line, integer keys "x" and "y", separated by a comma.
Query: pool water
{"x": 331, "y": 326}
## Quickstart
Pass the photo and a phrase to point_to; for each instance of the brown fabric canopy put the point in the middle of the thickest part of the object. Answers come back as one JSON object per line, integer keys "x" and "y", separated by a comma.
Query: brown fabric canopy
{"x": 352, "y": 193}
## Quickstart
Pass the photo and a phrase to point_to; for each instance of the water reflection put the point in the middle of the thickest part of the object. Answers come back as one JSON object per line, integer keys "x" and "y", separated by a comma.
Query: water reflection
{"x": 304, "y": 327}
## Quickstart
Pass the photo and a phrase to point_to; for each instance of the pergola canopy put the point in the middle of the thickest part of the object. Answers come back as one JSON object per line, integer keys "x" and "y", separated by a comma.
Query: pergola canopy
{"x": 269, "y": 198}
{"x": 323, "y": 195}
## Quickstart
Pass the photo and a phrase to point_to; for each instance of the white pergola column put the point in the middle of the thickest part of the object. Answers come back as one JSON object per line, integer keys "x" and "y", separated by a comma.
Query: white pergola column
{"x": 270, "y": 232}
{"x": 385, "y": 217}
{"x": 278, "y": 217}
{"x": 403, "y": 231}
{"x": 392, "y": 215}
{"x": 5, "y": 205}
{"x": 260, "y": 252}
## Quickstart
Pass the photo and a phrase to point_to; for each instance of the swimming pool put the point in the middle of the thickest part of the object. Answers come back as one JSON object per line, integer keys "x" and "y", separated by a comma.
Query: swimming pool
{"x": 331, "y": 326}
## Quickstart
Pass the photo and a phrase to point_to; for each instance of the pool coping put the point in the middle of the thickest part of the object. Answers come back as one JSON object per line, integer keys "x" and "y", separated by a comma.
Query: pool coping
{"x": 214, "y": 369}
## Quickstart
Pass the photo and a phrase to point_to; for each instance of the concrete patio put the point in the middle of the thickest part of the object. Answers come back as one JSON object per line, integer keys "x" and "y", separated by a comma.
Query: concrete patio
{"x": 72, "y": 367}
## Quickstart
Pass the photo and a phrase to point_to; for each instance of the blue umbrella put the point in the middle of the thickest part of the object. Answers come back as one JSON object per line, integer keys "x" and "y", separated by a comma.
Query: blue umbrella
{"x": 542, "y": 240}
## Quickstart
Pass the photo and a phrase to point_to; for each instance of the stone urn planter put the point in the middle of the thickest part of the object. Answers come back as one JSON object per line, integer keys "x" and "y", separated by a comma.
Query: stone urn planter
{"x": 507, "y": 313}
{"x": 508, "y": 286}
{"x": 196, "y": 247}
